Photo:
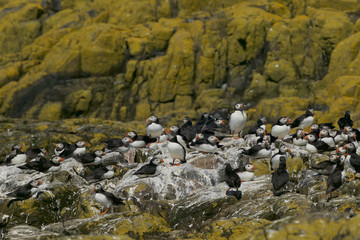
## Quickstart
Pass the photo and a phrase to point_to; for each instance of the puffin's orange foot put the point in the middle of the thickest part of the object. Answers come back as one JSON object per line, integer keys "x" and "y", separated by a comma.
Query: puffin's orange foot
{"x": 104, "y": 212}
{"x": 235, "y": 137}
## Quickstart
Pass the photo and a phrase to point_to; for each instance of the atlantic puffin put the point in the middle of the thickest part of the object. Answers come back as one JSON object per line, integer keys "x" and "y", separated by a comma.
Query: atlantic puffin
{"x": 80, "y": 148}
{"x": 101, "y": 173}
{"x": 24, "y": 192}
{"x": 209, "y": 144}
{"x": 248, "y": 174}
{"x": 149, "y": 170}
{"x": 117, "y": 144}
{"x": 35, "y": 152}
{"x": 280, "y": 178}
{"x": 353, "y": 161}
{"x": 221, "y": 113}
{"x": 187, "y": 130}
{"x": 106, "y": 199}
{"x": 41, "y": 164}
{"x": 237, "y": 120}
{"x": 139, "y": 141}
{"x": 304, "y": 120}
{"x": 325, "y": 136}
{"x": 275, "y": 159}
{"x": 258, "y": 151}
{"x": 93, "y": 158}
{"x": 232, "y": 179}
{"x": 326, "y": 167}
{"x": 176, "y": 150}
{"x": 281, "y": 128}
{"x": 316, "y": 146}
{"x": 336, "y": 178}
{"x": 345, "y": 121}
{"x": 64, "y": 149}
{"x": 261, "y": 123}
{"x": 16, "y": 156}
{"x": 153, "y": 128}
{"x": 298, "y": 138}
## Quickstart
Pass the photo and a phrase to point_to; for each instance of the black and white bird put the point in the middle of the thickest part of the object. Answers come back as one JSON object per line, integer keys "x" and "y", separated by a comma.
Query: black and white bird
{"x": 325, "y": 137}
{"x": 345, "y": 121}
{"x": 304, "y": 120}
{"x": 205, "y": 117}
{"x": 316, "y": 146}
{"x": 248, "y": 174}
{"x": 117, "y": 144}
{"x": 232, "y": 179}
{"x": 258, "y": 151}
{"x": 176, "y": 150}
{"x": 280, "y": 178}
{"x": 93, "y": 158}
{"x": 16, "y": 156}
{"x": 298, "y": 138}
{"x": 261, "y": 123}
{"x": 187, "y": 130}
{"x": 174, "y": 132}
{"x": 153, "y": 128}
{"x": 106, "y": 199}
{"x": 24, "y": 192}
{"x": 151, "y": 169}
{"x": 353, "y": 161}
{"x": 237, "y": 120}
{"x": 275, "y": 159}
{"x": 41, "y": 164}
{"x": 80, "y": 148}
{"x": 35, "y": 152}
{"x": 281, "y": 128}
{"x": 326, "y": 167}
{"x": 101, "y": 173}
{"x": 207, "y": 145}
{"x": 64, "y": 149}
{"x": 139, "y": 141}
{"x": 336, "y": 178}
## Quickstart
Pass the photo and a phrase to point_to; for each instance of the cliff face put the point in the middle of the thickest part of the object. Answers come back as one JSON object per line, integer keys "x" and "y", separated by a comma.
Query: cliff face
{"x": 122, "y": 60}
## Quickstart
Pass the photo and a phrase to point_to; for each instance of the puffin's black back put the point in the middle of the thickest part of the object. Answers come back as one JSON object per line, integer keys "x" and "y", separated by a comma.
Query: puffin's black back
{"x": 345, "y": 121}
{"x": 280, "y": 177}
{"x": 187, "y": 131}
{"x": 149, "y": 168}
{"x": 335, "y": 179}
{"x": 231, "y": 178}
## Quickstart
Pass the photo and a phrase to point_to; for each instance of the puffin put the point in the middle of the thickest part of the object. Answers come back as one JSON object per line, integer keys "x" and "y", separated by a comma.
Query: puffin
{"x": 232, "y": 179}
{"x": 353, "y": 161}
{"x": 93, "y": 158}
{"x": 16, "y": 156}
{"x": 345, "y": 121}
{"x": 117, "y": 144}
{"x": 304, "y": 120}
{"x": 35, "y": 152}
{"x": 176, "y": 150}
{"x": 24, "y": 192}
{"x": 149, "y": 170}
{"x": 316, "y": 146}
{"x": 280, "y": 178}
{"x": 174, "y": 132}
{"x": 209, "y": 144}
{"x": 237, "y": 120}
{"x": 139, "y": 141}
{"x": 261, "y": 123}
{"x": 41, "y": 164}
{"x": 298, "y": 138}
{"x": 281, "y": 128}
{"x": 80, "y": 148}
{"x": 203, "y": 119}
{"x": 258, "y": 151}
{"x": 275, "y": 159}
{"x": 326, "y": 167}
{"x": 106, "y": 199}
{"x": 153, "y": 128}
{"x": 325, "y": 136}
{"x": 187, "y": 130}
{"x": 248, "y": 174}
{"x": 64, "y": 149}
{"x": 336, "y": 178}
{"x": 101, "y": 173}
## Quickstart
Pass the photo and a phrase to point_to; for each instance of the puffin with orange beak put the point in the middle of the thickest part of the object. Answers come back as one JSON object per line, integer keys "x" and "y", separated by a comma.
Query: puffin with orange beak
{"x": 106, "y": 199}
{"x": 237, "y": 121}
{"x": 149, "y": 170}
{"x": 153, "y": 128}
{"x": 24, "y": 192}
{"x": 207, "y": 145}
{"x": 176, "y": 150}
{"x": 281, "y": 128}
{"x": 43, "y": 165}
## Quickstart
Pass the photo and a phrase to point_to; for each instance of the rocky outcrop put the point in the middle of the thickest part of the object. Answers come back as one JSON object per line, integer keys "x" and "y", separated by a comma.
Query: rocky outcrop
{"x": 125, "y": 60}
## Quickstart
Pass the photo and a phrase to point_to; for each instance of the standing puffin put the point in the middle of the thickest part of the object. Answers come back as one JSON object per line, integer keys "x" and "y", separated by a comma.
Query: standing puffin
{"x": 280, "y": 178}
{"x": 24, "y": 192}
{"x": 80, "y": 148}
{"x": 237, "y": 120}
{"x": 176, "y": 150}
{"x": 281, "y": 128}
{"x": 187, "y": 130}
{"x": 345, "y": 121}
{"x": 106, "y": 199}
{"x": 336, "y": 178}
{"x": 275, "y": 159}
{"x": 153, "y": 128}
{"x": 248, "y": 174}
{"x": 304, "y": 120}
{"x": 232, "y": 179}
